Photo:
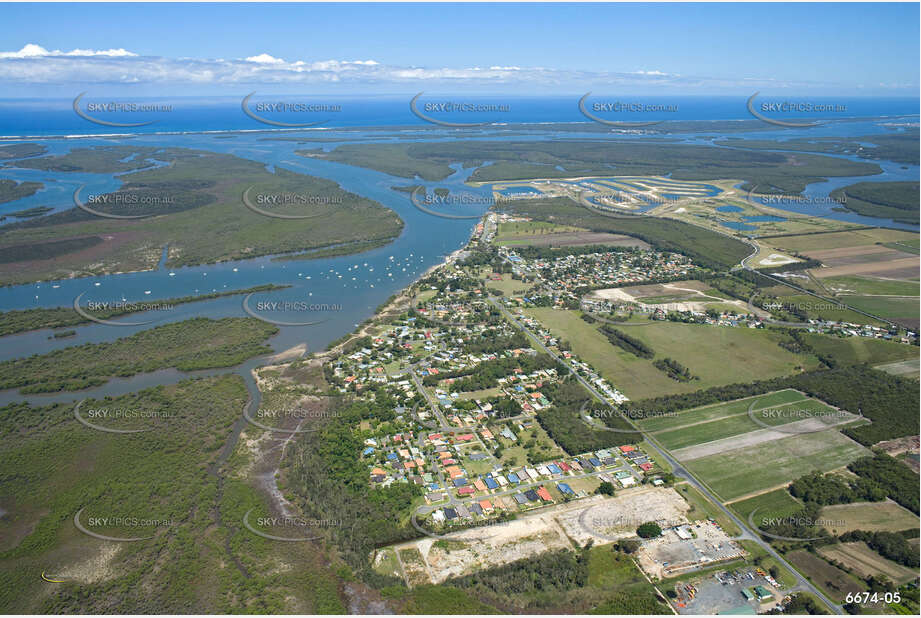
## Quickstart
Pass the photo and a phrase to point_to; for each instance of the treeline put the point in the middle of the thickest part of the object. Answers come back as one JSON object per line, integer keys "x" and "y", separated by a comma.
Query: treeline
{"x": 895, "y": 478}
{"x": 674, "y": 370}
{"x": 892, "y": 545}
{"x": 626, "y": 342}
{"x": 534, "y": 252}
{"x": 800, "y": 525}
{"x": 487, "y": 373}
{"x": 891, "y": 402}
{"x": 834, "y": 489}
{"x": 563, "y": 422}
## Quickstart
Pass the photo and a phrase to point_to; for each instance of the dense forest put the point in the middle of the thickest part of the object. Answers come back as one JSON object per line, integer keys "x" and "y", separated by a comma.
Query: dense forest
{"x": 331, "y": 483}
{"x": 829, "y": 489}
{"x": 895, "y": 478}
{"x": 564, "y": 424}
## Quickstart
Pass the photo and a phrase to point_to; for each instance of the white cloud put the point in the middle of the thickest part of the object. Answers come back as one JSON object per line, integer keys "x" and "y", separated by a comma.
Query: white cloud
{"x": 33, "y": 65}
{"x": 265, "y": 59}
{"x": 32, "y": 50}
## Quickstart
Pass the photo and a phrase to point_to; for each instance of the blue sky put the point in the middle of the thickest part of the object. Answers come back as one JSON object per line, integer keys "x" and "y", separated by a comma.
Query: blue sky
{"x": 843, "y": 48}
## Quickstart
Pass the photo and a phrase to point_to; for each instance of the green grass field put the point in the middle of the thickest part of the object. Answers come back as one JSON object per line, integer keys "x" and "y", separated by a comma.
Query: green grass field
{"x": 741, "y": 423}
{"x": 777, "y": 503}
{"x": 736, "y": 473}
{"x": 849, "y": 350}
{"x": 717, "y": 355}
{"x": 818, "y": 309}
{"x": 869, "y": 285}
{"x": 516, "y": 229}
{"x": 719, "y": 410}
{"x": 837, "y": 240}
{"x": 889, "y": 307}
{"x": 873, "y": 516}
{"x": 509, "y": 286}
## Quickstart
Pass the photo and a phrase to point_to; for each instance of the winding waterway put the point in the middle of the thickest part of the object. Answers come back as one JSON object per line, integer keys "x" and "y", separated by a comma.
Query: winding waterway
{"x": 351, "y": 287}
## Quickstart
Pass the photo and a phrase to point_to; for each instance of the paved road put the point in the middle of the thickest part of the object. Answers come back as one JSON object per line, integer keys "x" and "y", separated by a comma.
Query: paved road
{"x": 681, "y": 472}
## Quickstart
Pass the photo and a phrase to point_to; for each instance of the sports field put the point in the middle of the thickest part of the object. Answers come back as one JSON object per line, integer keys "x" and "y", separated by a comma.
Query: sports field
{"x": 750, "y": 469}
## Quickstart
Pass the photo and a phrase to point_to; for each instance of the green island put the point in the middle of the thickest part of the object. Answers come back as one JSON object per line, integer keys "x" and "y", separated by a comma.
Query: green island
{"x": 11, "y": 190}
{"x": 18, "y": 321}
{"x": 198, "y": 343}
{"x": 898, "y": 201}
{"x": 187, "y": 192}
{"x": 895, "y": 146}
{"x": 26, "y": 149}
{"x": 28, "y": 213}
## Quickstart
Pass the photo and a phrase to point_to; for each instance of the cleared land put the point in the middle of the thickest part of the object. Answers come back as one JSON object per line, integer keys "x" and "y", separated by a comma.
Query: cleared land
{"x": 702, "y": 508}
{"x": 849, "y": 350}
{"x": 866, "y": 562}
{"x": 870, "y": 285}
{"x": 873, "y": 516}
{"x": 555, "y": 527}
{"x": 748, "y": 469}
{"x": 803, "y": 243}
{"x": 907, "y": 368}
{"x": 709, "y": 432}
{"x": 898, "y": 309}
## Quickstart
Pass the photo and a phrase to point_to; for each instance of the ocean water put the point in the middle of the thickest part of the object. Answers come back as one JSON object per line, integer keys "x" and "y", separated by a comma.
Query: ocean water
{"x": 56, "y": 117}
